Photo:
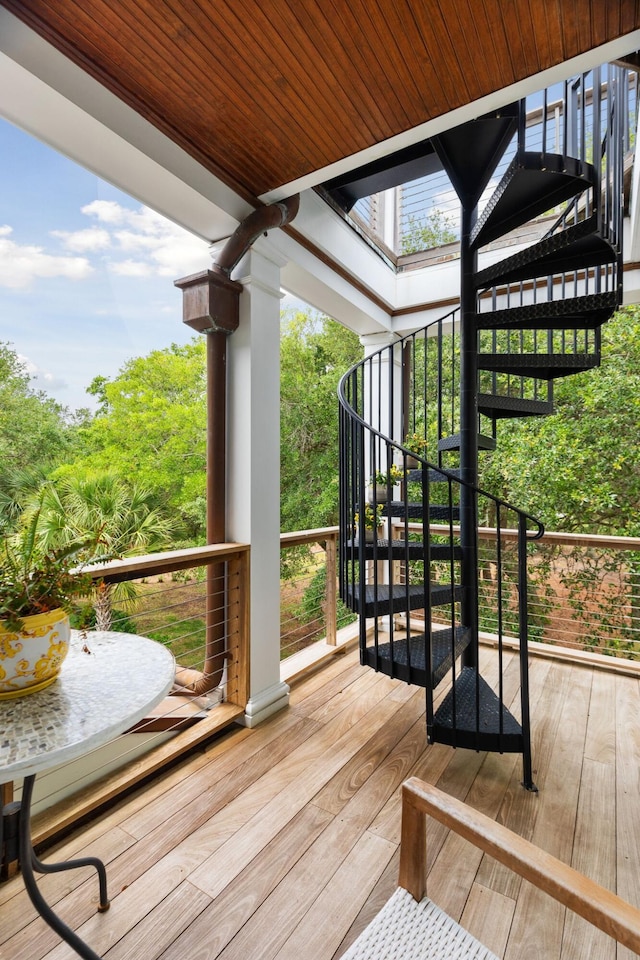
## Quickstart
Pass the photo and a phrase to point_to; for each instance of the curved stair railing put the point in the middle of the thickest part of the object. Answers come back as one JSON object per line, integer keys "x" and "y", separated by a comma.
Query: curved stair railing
{"x": 409, "y": 546}
{"x": 406, "y": 582}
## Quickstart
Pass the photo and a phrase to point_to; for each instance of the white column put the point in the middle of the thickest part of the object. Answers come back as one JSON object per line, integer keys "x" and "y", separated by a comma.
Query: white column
{"x": 379, "y": 383}
{"x": 254, "y": 466}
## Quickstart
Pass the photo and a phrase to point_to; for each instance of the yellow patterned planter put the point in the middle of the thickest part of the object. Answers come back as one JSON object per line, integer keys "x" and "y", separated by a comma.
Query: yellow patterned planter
{"x": 31, "y": 659}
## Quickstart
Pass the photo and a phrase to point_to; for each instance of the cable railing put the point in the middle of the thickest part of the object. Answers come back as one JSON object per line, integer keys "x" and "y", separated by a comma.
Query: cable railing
{"x": 309, "y": 607}
{"x": 583, "y": 590}
{"x": 564, "y": 119}
{"x": 196, "y": 603}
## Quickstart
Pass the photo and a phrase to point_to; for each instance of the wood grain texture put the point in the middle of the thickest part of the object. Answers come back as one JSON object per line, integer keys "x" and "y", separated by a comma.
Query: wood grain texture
{"x": 264, "y": 94}
{"x": 572, "y": 889}
{"x": 295, "y": 826}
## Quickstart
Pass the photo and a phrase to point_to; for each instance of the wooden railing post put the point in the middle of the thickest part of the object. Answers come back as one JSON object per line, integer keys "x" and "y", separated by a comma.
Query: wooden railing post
{"x": 331, "y": 595}
{"x": 238, "y": 646}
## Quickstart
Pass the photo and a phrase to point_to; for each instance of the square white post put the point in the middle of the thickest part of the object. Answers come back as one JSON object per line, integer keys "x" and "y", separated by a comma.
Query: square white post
{"x": 253, "y": 492}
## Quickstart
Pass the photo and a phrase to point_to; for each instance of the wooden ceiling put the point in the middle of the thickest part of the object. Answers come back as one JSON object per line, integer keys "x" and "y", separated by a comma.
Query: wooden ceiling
{"x": 263, "y": 92}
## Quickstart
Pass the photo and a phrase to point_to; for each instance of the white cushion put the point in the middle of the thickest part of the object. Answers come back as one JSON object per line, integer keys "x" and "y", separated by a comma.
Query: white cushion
{"x": 406, "y": 929}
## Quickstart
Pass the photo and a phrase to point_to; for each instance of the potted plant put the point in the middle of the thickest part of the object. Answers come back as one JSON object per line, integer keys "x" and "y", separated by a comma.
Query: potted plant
{"x": 37, "y": 586}
{"x": 380, "y": 482}
{"x": 371, "y": 519}
{"x": 418, "y": 446}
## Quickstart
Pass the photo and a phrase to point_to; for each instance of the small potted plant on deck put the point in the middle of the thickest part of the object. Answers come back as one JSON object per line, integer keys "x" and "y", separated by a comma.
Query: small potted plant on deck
{"x": 37, "y": 586}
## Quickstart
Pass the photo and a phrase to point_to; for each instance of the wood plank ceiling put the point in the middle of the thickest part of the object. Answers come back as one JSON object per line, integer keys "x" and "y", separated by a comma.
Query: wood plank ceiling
{"x": 265, "y": 91}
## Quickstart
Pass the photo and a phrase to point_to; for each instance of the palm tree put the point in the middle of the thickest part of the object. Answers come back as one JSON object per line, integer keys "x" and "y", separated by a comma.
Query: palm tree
{"x": 120, "y": 516}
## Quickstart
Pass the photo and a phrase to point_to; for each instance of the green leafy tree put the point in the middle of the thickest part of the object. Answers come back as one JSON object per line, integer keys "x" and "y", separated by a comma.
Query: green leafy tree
{"x": 36, "y": 435}
{"x": 434, "y": 229}
{"x": 579, "y": 469}
{"x": 314, "y": 353}
{"x": 151, "y": 426}
{"x": 104, "y": 509}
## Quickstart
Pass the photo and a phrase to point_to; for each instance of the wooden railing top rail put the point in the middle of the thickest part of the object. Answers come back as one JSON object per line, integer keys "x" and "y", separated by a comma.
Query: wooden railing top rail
{"x": 584, "y": 896}
{"x": 563, "y": 539}
{"x": 129, "y": 568}
{"x": 298, "y": 537}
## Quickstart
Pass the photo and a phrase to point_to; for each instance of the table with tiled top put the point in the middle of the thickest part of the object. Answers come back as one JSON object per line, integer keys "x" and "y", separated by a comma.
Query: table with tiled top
{"x": 108, "y": 683}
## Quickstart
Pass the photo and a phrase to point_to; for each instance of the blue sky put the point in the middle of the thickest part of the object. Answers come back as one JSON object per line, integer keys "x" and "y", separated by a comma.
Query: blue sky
{"x": 86, "y": 272}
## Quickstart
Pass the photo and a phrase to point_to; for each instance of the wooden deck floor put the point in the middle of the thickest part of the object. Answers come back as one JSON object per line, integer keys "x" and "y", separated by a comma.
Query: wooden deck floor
{"x": 282, "y": 842}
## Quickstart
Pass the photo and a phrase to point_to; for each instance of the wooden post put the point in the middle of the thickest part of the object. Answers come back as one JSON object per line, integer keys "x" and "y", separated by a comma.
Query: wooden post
{"x": 210, "y": 305}
{"x": 238, "y": 592}
{"x": 413, "y": 847}
{"x": 331, "y": 596}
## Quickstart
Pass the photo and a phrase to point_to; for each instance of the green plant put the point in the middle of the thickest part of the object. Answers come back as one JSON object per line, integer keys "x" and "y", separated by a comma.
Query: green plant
{"x": 433, "y": 229}
{"x": 416, "y": 443}
{"x": 372, "y": 516}
{"x": 34, "y": 579}
{"x": 395, "y": 475}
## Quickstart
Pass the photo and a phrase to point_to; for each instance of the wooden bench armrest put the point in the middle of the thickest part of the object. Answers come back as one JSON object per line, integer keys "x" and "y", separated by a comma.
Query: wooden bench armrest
{"x": 585, "y": 897}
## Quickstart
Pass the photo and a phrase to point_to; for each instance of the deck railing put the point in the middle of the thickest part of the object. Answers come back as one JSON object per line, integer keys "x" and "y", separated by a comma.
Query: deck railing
{"x": 169, "y": 597}
{"x": 180, "y": 598}
{"x": 584, "y": 590}
{"x": 309, "y": 605}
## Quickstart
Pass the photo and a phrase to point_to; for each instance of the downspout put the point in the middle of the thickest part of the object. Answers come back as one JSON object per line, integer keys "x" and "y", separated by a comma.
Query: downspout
{"x": 211, "y": 305}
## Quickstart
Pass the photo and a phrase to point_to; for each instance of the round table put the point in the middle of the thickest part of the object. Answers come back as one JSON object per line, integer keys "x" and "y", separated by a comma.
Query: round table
{"x": 108, "y": 682}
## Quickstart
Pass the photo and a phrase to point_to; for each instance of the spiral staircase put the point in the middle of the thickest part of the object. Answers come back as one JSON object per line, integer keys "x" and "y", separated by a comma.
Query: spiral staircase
{"x": 443, "y": 560}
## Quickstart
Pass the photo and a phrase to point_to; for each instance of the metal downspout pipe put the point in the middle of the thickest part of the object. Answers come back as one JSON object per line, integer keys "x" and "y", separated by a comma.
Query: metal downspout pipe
{"x": 211, "y": 305}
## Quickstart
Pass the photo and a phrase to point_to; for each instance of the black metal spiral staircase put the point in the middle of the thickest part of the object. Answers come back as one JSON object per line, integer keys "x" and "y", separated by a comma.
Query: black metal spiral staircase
{"x": 443, "y": 560}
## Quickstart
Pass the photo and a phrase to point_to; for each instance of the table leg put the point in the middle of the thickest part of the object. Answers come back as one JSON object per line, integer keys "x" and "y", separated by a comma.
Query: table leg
{"x": 30, "y": 863}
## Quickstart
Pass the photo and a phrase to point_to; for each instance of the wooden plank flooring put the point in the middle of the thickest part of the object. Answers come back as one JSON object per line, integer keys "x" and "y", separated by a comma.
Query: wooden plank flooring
{"x": 281, "y": 843}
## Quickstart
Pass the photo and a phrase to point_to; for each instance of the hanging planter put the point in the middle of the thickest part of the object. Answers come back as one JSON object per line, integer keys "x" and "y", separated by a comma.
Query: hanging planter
{"x": 31, "y": 657}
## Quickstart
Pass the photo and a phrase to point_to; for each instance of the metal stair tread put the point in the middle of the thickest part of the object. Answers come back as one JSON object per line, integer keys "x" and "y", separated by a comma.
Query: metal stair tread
{"x": 465, "y": 719}
{"x": 532, "y": 184}
{"x": 383, "y": 598}
{"x": 413, "y": 511}
{"x": 408, "y": 661}
{"x": 576, "y": 247}
{"x": 586, "y": 312}
{"x": 404, "y": 550}
{"x": 453, "y": 442}
{"x": 434, "y": 475}
{"x": 501, "y": 407}
{"x": 541, "y": 366}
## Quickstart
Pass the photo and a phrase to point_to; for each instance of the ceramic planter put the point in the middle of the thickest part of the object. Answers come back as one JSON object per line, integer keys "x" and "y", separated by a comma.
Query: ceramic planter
{"x": 31, "y": 659}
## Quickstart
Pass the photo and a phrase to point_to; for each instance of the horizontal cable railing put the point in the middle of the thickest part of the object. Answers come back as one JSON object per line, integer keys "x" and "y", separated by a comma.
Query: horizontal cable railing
{"x": 309, "y": 607}
{"x": 195, "y": 602}
{"x": 583, "y": 592}
{"x": 192, "y": 600}
{"x": 565, "y": 118}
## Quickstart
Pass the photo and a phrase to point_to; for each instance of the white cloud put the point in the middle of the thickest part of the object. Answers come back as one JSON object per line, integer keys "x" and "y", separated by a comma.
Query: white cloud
{"x": 84, "y": 241}
{"x": 159, "y": 247}
{"x": 131, "y": 268}
{"x": 107, "y": 211}
{"x": 42, "y": 378}
{"x": 20, "y": 264}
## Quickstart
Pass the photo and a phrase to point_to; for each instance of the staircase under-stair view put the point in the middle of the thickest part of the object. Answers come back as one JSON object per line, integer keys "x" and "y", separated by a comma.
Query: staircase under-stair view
{"x": 430, "y": 562}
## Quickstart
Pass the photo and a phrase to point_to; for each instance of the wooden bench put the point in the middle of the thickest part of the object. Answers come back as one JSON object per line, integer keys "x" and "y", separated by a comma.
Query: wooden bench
{"x": 412, "y": 927}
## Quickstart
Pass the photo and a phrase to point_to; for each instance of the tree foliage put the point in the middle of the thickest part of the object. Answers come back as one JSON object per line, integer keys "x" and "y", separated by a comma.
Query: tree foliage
{"x": 314, "y": 353}
{"x": 579, "y": 469}
{"x": 151, "y": 426}
{"x": 434, "y": 229}
{"x": 36, "y": 435}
